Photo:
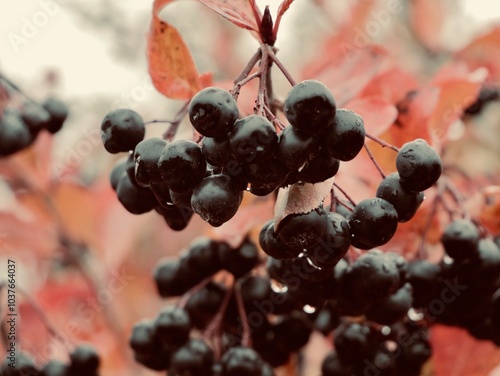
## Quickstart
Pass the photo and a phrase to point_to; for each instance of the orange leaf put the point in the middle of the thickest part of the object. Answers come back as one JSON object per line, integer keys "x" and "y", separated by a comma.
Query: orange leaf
{"x": 242, "y": 13}
{"x": 378, "y": 114}
{"x": 427, "y": 19}
{"x": 171, "y": 65}
{"x": 391, "y": 85}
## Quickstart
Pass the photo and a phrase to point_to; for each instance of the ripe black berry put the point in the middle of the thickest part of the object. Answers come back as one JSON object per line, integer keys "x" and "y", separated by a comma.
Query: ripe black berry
{"x": 58, "y": 113}
{"x": 84, "y": 360}
{"x": 295, "y": 147}
{"x": 213, "y": 112}
{"x": 346, "y": 137}
{"x": 332, "y": 366}
{"x": 168, "y": 278}
{"x": 310, "y": 107}
{"x": 172, "y": 326}
{"x": 122, "y": 130}
{"x": 35, "y": 116}
{"x": 301, "y": 231}
{"x": 352, "y": 342}
{"x": 146, "y": 156}
{"x": 216, "y": 150}
{"x": 241, "y": 361}
{"x": 55, "y": 368}
{"x": 241, "y": 260}
{"x": 195, "y": 358}
{"x": 419, "y": 165}
{"x": 320, "y": 167}
{"x": 23, "y": 365}
{"x": 176, "y": 218}
{"x": 460, "y": 239}
{"x": 216, "y": 199}
{"x": 143, "y": 339}
{"x": 393, "y": 308}
{"x": 373, "y": 222}
{"x": 14, "y": 134}
{"x": 405, "y": 202}
{"x": 272, "y": 244}
{"x": 135, "y": 199}
{"x": 182, "y": 165}
{"x": 253, "y": 139}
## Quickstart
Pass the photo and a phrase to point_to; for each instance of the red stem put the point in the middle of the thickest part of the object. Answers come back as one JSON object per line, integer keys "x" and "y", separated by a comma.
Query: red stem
{"x": 345, "y": 194}
{"x": 246, "y": 339}
{"x": 282, "y": 68}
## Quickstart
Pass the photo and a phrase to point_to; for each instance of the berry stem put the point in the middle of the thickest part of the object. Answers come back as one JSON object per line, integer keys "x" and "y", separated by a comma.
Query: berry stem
{"x": 174, "y": 124}
{"x": 246, "y": 340}
{"x": 262, "y": 95}
{"x": 345, "y": 194}
{"x": 382, "y": 142}
{"x": 242, "y": 78}
{"x": 345, "y": 205}
{"x": 333, "y": 201}
{"x": 282, "y": 68}
{"x": 370, "y": 154}
{"x": 434, "y": 205}
{"x": 181, "y": 303}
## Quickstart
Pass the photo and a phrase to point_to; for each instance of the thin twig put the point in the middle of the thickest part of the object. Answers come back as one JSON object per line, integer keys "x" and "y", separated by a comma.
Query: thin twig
{"x": 345, "y": 194}
{"x": 241, "y": 79}
{"x": 192, "y": 291}
{"x": 370, "y": 154}
{"x": 282, "y": 68}
{"x": 382, "y": 142}
{"x": 246, "y": 339}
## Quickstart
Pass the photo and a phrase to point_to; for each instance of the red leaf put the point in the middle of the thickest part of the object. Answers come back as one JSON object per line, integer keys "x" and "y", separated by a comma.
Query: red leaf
{"x": 391, "y": 85}
{"x": 456, "y": 353}
{"x": 378, "y": 114}
{"x": 242, "y": 13}
{"x": 346, "y": 73}
{"x": 285, "y": 4}
{"x": 415, "y": 112}
{"x": 171, "y": 65}
{"x": 484, "y": 52}
{"x": 427, "y": 19}
{"x": 300, "y": 198}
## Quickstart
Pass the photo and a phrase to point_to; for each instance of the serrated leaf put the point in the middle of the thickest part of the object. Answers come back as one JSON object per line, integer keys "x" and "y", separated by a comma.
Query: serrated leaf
{"x": 239, "y": 12}
{"x": 377, "y": 113}
{"x": 171, "y": 65}
{"x": 300, "y": 199}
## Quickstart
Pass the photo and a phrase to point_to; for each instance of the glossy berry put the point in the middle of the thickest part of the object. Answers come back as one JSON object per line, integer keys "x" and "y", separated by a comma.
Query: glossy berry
{"x": 202, "y": 258}
{"x": 205, "y": 304}
{"x": 293, "y": 331}
{"x": 122, "y": 130}
{"x": 213, "y": 112}
{"x": 423, "y": 277}
{"x": 460, "y": 239}
{"x": 295, "y": 147}
{"x": 216, "y": 199}
{"x": 182, "y": 165}
{"x": 301, "y": 231}
{"x": 405, "y": 202}
{"x": 146, "y": 156}
{"x": 253, "y": 139}
{"x": 241, "y": 361}
{"x": 419, "y": 165}
{"x": 216, "y": 150}
{"x": 310, "y": 107}
{"x": 162, "y": 193}
{"x": 58, "y": 111}
{"x": 14, "y": 134}
{"x": 84, "y": 360}
{"x": 373, "y": 222}
{"x": 346, "y": 137}
{"x": 334, "y": 245}
{"x": 168, "y": 278}
{"x": 172, "y": 326}
{"x": 372, "y": 277}
{"x": 195, "y": 358}
{"x": 272, "y": 244}
{"x": 255, "y": 289}
{"x": 320, "y": 167}
{"x": 117, "y": 172}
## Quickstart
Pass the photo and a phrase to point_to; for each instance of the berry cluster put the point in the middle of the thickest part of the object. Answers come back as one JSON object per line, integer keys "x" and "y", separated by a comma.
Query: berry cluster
{"x": 84, "y": 361}
{"x": 463, "y": 289}
{"x": 19, "y": 128}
